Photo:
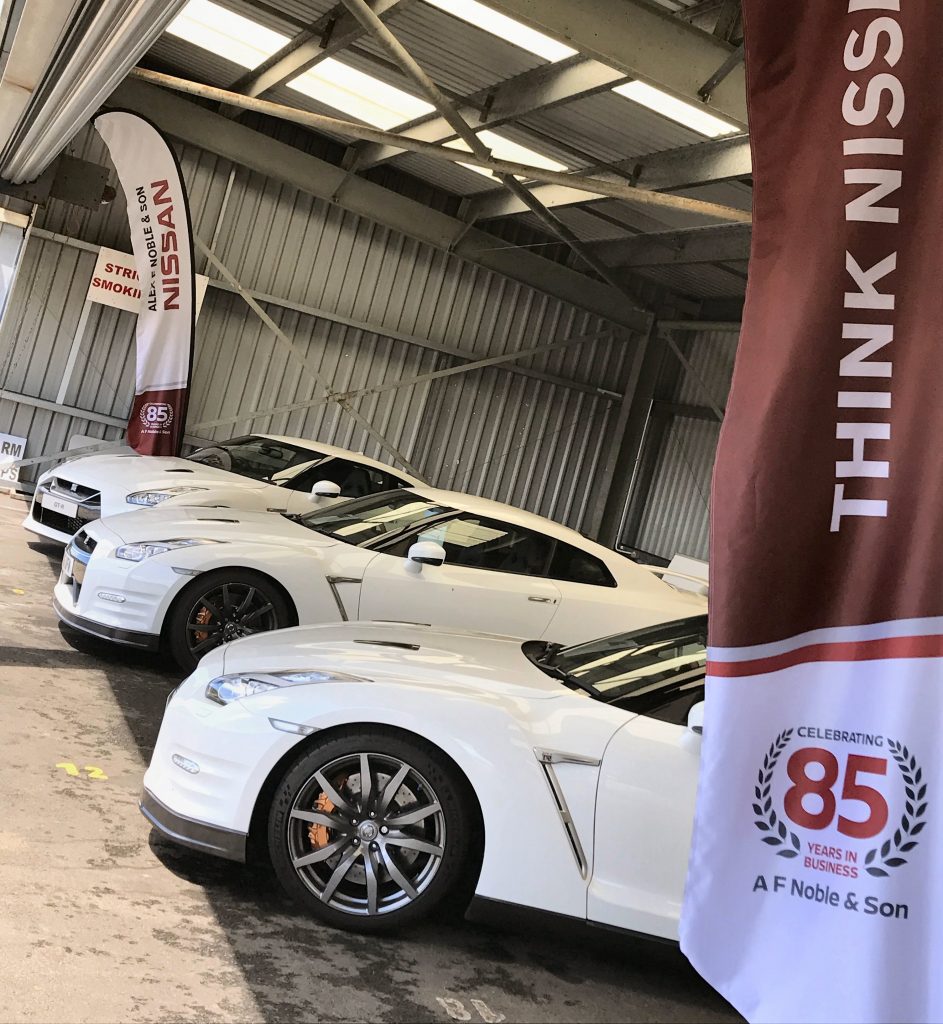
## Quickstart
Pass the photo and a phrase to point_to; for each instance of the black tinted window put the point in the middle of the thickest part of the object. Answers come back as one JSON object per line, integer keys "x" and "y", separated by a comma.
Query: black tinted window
{"x": 354, "y": 479}
{"x": 481, "y": 543}
{"x": 657, "y": 672}
{"x": 254, "y": 457}
{"x": 575, "y": 566}
{"x": 363, "y": 520}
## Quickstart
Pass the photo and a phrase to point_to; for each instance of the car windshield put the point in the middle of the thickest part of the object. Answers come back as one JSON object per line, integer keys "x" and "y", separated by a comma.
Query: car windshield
{"x": 379, "y": 515}
{"x": 256, "y": 457}
{"x": 635, "y": 669}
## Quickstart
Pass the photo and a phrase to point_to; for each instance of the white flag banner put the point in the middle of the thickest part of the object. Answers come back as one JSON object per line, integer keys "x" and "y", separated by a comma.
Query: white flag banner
{"x": 815, "y": 883}
{"x": 161, "y": 240}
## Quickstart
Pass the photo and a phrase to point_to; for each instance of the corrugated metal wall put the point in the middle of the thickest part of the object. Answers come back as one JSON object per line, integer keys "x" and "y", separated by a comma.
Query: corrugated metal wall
{"x": 675, "y": 516}
{"x": 491, "y": 432}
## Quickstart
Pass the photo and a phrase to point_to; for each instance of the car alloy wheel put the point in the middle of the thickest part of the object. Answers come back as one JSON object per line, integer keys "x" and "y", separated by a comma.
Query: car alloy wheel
{"x": 371, "y": 828}
{"x": 228, "y": 612}
{"x": 223, "y": 605}
{"x": 366, "y": 834}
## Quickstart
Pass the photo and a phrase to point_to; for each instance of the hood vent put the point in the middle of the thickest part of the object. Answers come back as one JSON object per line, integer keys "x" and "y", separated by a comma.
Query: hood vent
{"x": 178, "y": 470}
{"x": 201, "y": 519}
{"x": 389, "y": 643}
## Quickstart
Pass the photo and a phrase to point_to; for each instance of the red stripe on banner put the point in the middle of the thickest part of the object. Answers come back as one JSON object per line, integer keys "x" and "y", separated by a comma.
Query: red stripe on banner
{"x": 856, "y": 650}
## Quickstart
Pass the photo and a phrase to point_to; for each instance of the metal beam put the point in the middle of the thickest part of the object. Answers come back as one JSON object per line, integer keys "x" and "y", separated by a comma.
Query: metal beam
{"x": 381, "y": 330}
{"x": 691, "y": 245}
{"x": 402, "y": 57}
{"x": 700, "y": 164}
{"x": 331, "y": 33}
{"x": 322, "y": 122}
{"x": 644, "y": 43}
{"x": 537, "y": 89}
{"x": 233, "y": 141}
{"x": 404, "y": 382}
{"x": 302, "y": 357}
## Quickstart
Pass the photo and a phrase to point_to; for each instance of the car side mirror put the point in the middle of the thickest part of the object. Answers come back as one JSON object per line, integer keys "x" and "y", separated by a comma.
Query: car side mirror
{"x": 424, "y": 552}
{"x": 326, "y": 489}
{"x": 696, "y": 718}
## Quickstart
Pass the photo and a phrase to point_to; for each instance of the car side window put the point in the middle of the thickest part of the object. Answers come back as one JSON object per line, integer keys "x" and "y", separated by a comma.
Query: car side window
{"x": 481, "y": 543}
{"x": 354, "y": 479}
{"x": 575, "y": 566}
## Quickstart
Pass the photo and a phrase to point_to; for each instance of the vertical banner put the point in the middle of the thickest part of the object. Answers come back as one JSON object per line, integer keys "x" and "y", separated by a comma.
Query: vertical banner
{"x": 815, "y": 886}
{"x": 163, "y": 251}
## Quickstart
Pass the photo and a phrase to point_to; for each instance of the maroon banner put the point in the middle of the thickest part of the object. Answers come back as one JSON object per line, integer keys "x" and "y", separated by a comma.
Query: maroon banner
{"x": 161, "y": 239}
{"x": 827, "y": 495}
{"x": 816, "y": 874}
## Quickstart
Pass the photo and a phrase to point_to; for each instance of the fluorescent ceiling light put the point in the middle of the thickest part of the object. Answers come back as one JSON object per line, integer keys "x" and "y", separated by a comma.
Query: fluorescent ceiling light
{"x": 505, "y": 149}
{"x": 506, "y": 28}
{"x": 359, "y": 95}
{"x": 687, "y": 114}
{"x": 216, "y": 28}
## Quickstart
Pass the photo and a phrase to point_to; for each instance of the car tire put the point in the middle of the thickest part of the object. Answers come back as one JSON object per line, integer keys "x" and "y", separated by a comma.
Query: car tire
{"x": 430, "y": 856}
{"x": 206, "y": 599}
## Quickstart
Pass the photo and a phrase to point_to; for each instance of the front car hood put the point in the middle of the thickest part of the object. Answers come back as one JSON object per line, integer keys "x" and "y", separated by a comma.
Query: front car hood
{"x": 227, "y": 524}
{"x": 128, "y": 473}
{"x": 399, "y": 652}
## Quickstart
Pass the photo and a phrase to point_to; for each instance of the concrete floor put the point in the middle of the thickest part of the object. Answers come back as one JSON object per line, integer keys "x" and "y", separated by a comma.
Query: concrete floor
{"x": 100, "y": 921}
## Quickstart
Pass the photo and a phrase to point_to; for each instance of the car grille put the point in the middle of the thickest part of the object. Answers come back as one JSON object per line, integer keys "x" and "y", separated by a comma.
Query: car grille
{"x": 56, "y": 520}
{"x": 75, "y": 492}
{"x": 87, "y": 498}
{"x": 83, "y": 542}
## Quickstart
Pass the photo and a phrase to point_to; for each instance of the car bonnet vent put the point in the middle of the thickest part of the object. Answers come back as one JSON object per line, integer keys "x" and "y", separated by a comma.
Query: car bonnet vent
{"x": 178, "y": 470}
{"x": 389, "y": 643}
{"x": 214, "y": 519}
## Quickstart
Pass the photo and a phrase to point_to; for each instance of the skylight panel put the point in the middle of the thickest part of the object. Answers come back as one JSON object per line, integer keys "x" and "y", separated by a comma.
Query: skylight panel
{"x": 505, "y": 149}
{"x": 360, "y": 95}
{"x": 215, "y": 28}
{"x": 501, "y": 25}
{"x": 691, "y": 116}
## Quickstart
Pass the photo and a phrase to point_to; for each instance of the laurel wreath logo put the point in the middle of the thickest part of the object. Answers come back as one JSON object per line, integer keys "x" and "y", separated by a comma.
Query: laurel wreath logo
{"x": 912, "y": 820}
{"x": 766, "y": 818}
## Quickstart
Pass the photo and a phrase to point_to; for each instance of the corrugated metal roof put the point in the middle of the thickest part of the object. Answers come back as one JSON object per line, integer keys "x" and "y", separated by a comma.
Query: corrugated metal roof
{"x": 602, "y": 128}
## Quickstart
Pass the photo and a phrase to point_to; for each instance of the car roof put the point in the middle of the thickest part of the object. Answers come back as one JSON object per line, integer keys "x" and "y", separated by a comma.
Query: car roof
{"x": 335, "y": 452}
{"x": 517, "y": 516}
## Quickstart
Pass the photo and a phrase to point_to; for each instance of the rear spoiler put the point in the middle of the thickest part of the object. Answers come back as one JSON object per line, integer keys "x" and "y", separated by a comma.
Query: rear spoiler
{"x": 684, "y": 573}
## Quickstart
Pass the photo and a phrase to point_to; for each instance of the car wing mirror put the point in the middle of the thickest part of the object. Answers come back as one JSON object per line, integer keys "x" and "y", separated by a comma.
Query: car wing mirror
{"x": 696, "y": 718}
{"x": 424, "y": 552}
{"x": 325, "y": 489}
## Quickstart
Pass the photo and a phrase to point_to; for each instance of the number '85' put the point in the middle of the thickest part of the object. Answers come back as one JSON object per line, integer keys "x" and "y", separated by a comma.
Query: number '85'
{"x": 852, "y": 789}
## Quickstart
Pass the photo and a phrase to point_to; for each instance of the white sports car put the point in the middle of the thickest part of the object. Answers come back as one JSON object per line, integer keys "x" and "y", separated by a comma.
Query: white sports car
{"x": 194, "y": 578}
{"x": 260, "y": 471}
{"x": 387, "y": 766}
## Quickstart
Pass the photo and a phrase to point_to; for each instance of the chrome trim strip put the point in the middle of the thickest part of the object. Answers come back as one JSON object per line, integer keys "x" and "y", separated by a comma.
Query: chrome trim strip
{"x": 566, "y": 818}
{"x": 561, "y": 757}
{"x": 332, "y": 582}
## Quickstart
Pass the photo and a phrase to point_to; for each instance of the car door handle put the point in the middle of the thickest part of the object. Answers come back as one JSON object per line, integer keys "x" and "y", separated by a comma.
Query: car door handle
{"x": 541, "y": 600}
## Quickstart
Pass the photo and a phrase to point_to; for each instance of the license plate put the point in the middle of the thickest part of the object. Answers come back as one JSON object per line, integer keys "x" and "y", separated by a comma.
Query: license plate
{"x": 68, "y": 566}
{"x": 54, "y": 504}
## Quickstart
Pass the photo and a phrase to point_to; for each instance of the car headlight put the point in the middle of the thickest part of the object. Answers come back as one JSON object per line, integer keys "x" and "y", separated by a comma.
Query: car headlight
{"x": 138, "y": 552}
{"x": 151, "y": 498}
{"x": 236, "y": 686}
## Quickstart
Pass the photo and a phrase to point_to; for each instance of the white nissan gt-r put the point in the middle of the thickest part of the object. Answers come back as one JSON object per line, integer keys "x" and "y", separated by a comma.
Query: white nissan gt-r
{"x": 192, "y": 578}
{"x": 259, "y": 471}
{"x": 387, "y": 766}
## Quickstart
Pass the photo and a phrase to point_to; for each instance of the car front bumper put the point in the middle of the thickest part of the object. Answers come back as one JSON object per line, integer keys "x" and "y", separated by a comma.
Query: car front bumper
{"x": 117, "y": 600}
{"x": 209, "y": 765}
{"x": 68, "y": 512}
{"x": 198, "y": 835}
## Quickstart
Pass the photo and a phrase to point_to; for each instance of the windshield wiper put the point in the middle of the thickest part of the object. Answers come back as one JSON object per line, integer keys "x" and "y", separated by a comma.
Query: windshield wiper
{"x": 574, "y": 682}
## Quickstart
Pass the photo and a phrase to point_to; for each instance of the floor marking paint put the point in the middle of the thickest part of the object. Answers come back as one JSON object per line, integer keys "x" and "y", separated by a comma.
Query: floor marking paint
{"x": 455, "y": 1008}
{"x": 91, "y": 772}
